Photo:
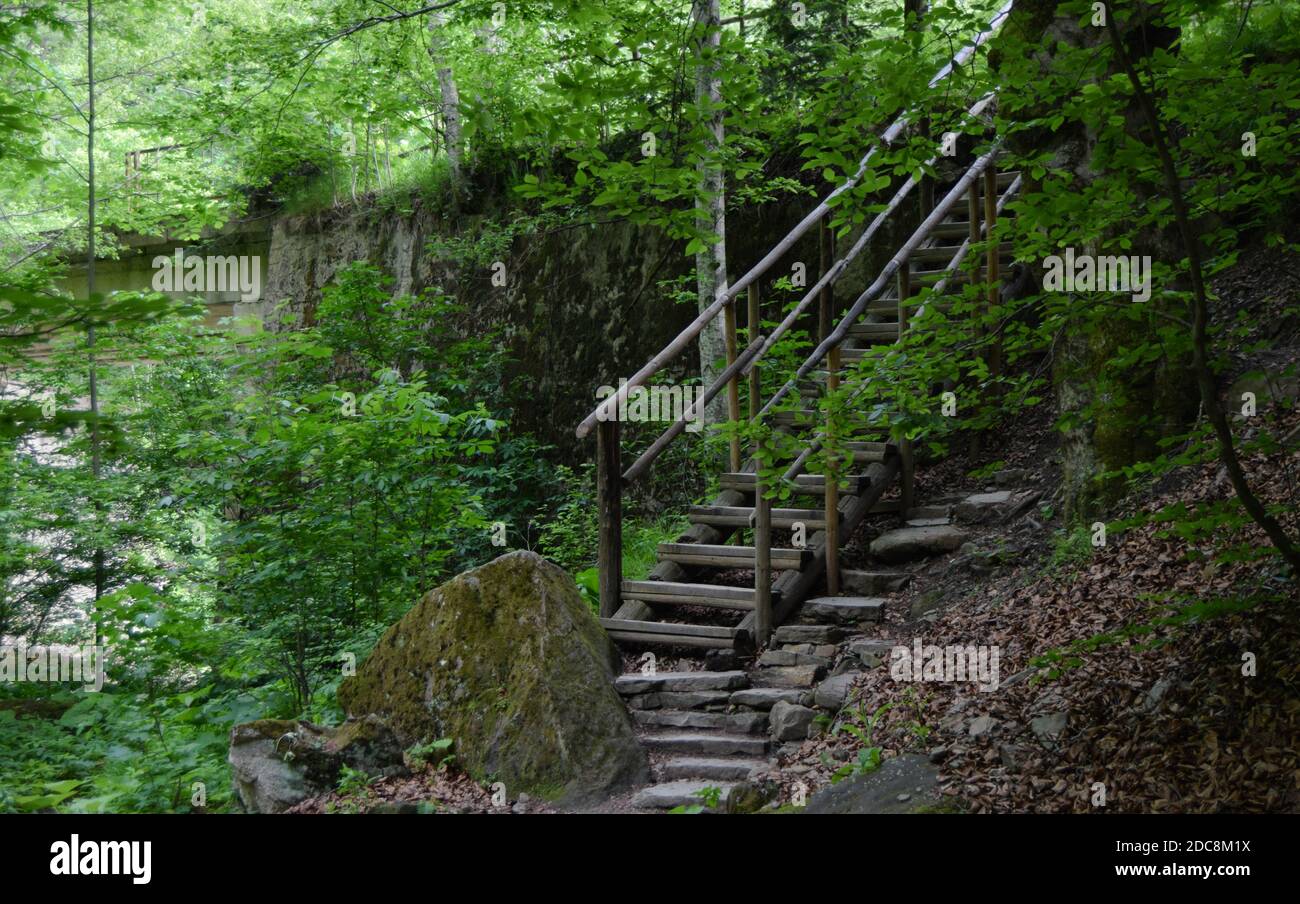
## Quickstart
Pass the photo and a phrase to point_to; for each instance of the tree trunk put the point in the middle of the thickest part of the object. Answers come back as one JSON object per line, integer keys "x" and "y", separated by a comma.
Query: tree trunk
{"x": 448, "y": 102}
{"x": 710, "y": 208}
{"x": 1116, "y": 419}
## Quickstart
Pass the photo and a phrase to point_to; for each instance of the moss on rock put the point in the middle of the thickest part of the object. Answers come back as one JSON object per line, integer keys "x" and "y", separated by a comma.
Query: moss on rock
{"x": 507, "y": 660}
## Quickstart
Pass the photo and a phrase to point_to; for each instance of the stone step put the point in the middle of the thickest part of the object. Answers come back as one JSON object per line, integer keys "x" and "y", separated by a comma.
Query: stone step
{"x": 683, "y": 700}
{"x": 929, "y": 511}
{"x": 909, "y": 543}
{"x": 926, "y": 522}
{"x": 765, "y": 698}
{"x": 677, "y": 794}
{"x": 807, "y": 634}
{"x": 637, "y": 683}
{"x": 791, "y": 676}
{"x": 702, "y": 767}
{"x": 874, "y": 583}
{"x": 782, "y": 658}
{"x": 706, "y": 744}
{"x": 742, "y": 723}
{"x": 845, "y": 610}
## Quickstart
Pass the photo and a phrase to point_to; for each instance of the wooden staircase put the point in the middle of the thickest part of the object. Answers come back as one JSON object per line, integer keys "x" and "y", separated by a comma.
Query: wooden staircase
{"x": 724, "y": 584}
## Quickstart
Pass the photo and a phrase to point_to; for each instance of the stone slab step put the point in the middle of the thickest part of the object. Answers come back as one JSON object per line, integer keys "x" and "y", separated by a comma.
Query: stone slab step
{"x": 681, "y": 681}
{"x": 741, "y": 723}
{"x": 874, "y": 583}
{"x": 670, "y": 795}
{"x": 807, "y": 634}
{"x": 706, "y": 744}
{"x": 926, "y": 522}
{"x": 790, "y": 676}
{"x": 909, "y": 543}
{"x": 703, "y": 767}
{"x": 765, "y": 698}
{"x": 684, "y": 700}
{"x": 845, "y": 610}
{"x": 783, "y": 658}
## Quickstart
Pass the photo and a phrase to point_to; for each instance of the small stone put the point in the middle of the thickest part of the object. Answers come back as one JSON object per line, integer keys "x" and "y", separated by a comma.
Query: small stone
{"x": 982, "y": 726}
{"x": 1050, "y": 726}
{"x": 833, "y": 693}
{"x": 938, "y": 754}
{"x": 904, "y": 797}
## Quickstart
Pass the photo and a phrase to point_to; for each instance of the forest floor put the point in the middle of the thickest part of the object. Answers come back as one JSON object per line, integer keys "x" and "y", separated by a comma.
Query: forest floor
{"x": 1176, "y": 686}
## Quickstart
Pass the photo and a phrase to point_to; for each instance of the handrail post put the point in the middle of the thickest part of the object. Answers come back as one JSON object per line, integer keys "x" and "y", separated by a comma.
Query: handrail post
{"x": 990, "y": 221}
{"x": 832, "y": 491}
{"x": 609, "y": 505}
{"x": 755, "y": 324}
{"x": 907, "y": 466}
{"x": 733, "y": 386}
{"x": 762, "y": 561}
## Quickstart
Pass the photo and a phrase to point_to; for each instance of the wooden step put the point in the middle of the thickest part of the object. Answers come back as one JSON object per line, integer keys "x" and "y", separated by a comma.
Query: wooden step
{"x": 807, "y": 484}
{"x": 801, "y": 417}
{"x": 944, "y": 253}
{"x": 741, "y": 515}
{"x": 671, "y": 633}
{"x": 672, "y": 593}
{"x": 871, "y": 333}
{"x": 720, "y": 556}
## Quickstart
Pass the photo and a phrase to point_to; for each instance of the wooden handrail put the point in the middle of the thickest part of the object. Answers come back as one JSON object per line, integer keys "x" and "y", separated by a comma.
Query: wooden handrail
{"x": 696, "y": 326}
{"x": 840, "y": 332}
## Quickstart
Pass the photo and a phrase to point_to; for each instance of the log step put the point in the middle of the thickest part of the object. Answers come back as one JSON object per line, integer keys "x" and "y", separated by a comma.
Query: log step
{"x": 669, "y": 633}
{"x": 722, "y": 556}
{"x": 807, "y": 484}
{"x": 742, "y": 515}
{"x": 672, "y": 593}
{"x": 873, "y": 333}
{"x": 944, "y": 253}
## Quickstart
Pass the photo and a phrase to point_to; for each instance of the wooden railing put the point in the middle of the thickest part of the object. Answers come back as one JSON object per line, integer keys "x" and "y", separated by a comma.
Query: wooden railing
{"x": 741, "y": 363}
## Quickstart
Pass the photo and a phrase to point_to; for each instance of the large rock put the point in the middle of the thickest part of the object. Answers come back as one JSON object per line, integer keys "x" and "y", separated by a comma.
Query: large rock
{"x": 276, "y": 763}
{"x": 508, "y": 660}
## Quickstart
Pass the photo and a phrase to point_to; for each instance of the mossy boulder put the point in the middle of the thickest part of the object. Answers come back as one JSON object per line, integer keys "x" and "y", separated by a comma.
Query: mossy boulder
{"x": 276, "y": 763}
{"x": 508, "y": 660}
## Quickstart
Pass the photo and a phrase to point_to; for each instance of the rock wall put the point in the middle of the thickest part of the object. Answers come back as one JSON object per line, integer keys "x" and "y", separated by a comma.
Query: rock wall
{"x": 582, "y": 305}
